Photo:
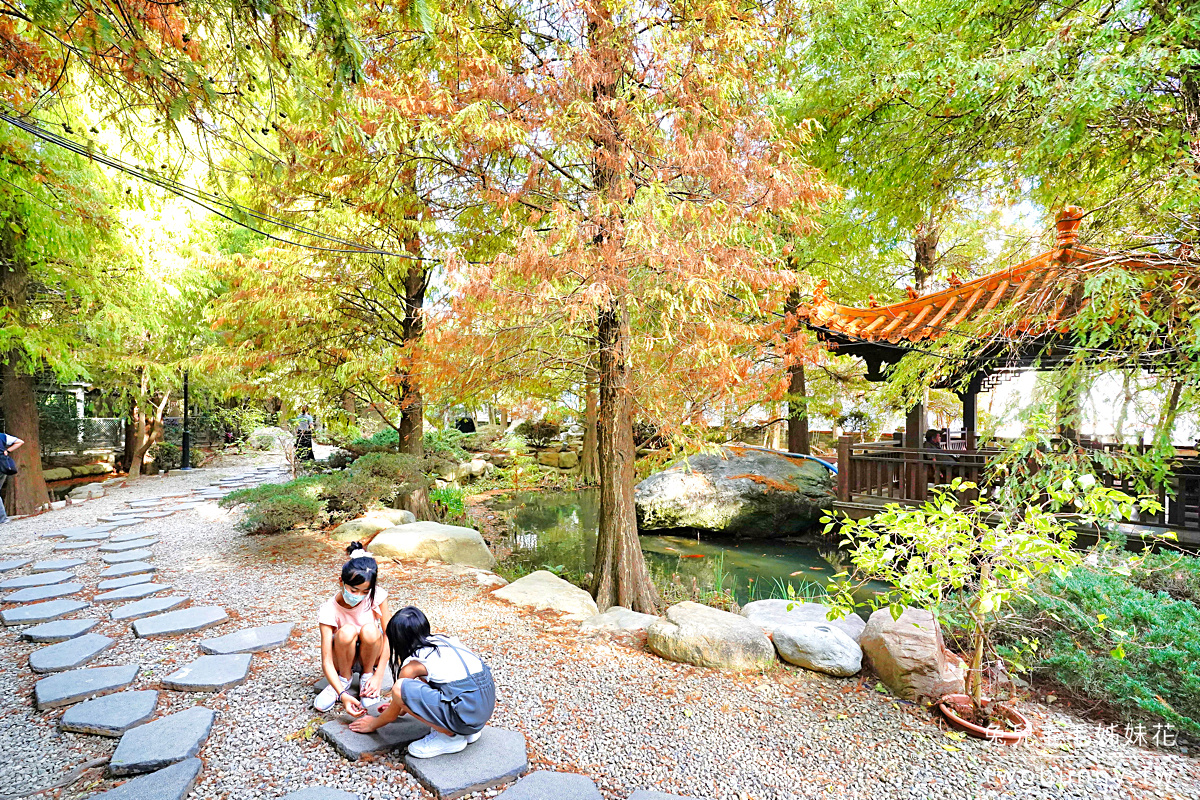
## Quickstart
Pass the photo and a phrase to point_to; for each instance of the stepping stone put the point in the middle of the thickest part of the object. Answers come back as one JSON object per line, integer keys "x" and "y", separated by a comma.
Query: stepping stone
{"x": 354, "y": 746}
{"x": 147, "y": 607}
{"x": 55, "y": 565}
{"x": 126, "y": 512}
{"x": 113, "y": 518}
{"x": 132, "y": 568}
{"x": 165, "y": 741}
{"x": 320, "y": 793}
{"x": 59, "y": 631}
{"x": 129, "y": 555}
{"x": 186, "y": 620}
{"x": 128, "y": 544}
{"x": 66, "y": 688}
{"x": 250, "y": 640}
{"x": 126, "y": 536}
{"x": 14, "y": 563}
{"x": 44, "y": 579}
{"x": 176, "y": 495}
{"x": 107, "y": 526}
{"x": 110, "y": 715}
{"x": 135, "y": 592}
{"x": 69, "y": 654}
{"x": 75, "y": 545}
{"x": 126, "y": 522}
{"x": 646, "y": 794}
{"x": 497, "y": 758}
{"x": 92, "y": 536}
{"x": 210, "y": 673}
{"x": 37, "y": 593}
{"x": 171, "y": 783}
{"x": 121, "y": 583}
{"x": 157, "y": 514}
{"x": 545, "y": 785}
{"x": 41, "y": 612}
{"x": 66, "y": 531}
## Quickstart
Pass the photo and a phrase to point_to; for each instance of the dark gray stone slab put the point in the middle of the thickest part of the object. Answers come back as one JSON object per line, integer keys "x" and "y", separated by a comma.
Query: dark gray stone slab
{"x": 165, "y": 741}
{"x": 90, "y": 536}
{"x": 135, "y": 592}
{"x": 64, "y": 688}
{"x": 170, "y": 783}
{"x": 66, "y": 531}
{"x": 67, "y": 546}
{"x": 496, "y": 759}
{"x": 320, "y": 793}
{"x": 159, "y": 514}
{"x": 185, "y": 620}
{"x": 124, "y": 518}
{"x": 37, "y": 593}
{"x": 110, "y": 715}
{"x": 105, "y": 527}
{"x": 210, "y": 673}
{"x": 125, "y": 546}
{"x": 121, "y": 583}
{"x": 545, "y": 785}
{"x": 56, "y": 565}
{"x": 250, "y": 640}
{"x": 354, "y": 746}
{"x": 41, "y": 612}
{"x": 126, "y": 512}
{"x": 14, "y": 563}
{"x": 44, "y": 579}
{"x": 69, "y": 654}
{"x": 126, "y": 536}
{"x": 137, "y": 554}
{"x": 646, "y": 794}
{"x": 59, "y": 630}
{"x": 126, "y": 522}
{"x": 132, "y": 568}
{"x": 148, "y": 607}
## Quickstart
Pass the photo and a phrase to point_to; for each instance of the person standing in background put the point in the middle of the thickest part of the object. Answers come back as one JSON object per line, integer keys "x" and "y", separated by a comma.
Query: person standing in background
{"x": 7, "y": 445}
{"x": 304, "y": 435}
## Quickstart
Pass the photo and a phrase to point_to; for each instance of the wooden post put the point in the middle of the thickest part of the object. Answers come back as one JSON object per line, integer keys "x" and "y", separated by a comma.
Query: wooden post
{"x": 915, "y": 483}
{"x": 970, "y": 403}
{"x": 843, "y": 465}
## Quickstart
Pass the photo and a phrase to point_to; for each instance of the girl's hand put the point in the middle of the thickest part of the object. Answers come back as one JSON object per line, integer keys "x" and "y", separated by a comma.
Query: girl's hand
{"x": 364, "y": 725}
{"x": 352, "y": 706}
{"x": 372, "y": 687}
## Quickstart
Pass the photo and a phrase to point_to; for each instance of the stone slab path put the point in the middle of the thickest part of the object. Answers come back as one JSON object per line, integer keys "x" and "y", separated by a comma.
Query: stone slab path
{"x": 210, "y": 673}
{"x": 56, "y": 565}
{"x": 59, "y": 630}
{"x": 170, "y": 783}
{"x": 173, "y": 623}
{"x": 65, "y": 688}
{"x": 133, "y": 554}
{"x": 354, "y": 746}
{"x": 147, "y": 608}
{"x": 124, "y": 546}
{"x": 130, "y": 536}
{"x": 163, "y": 742}
{"x": 121, "y": 583}
{"x": 249, "y": 640}
{"x": 134, "y": 592}
{"x": 497, "y": 758}
{"x": 112, "y": 714}
{"x": 44, "y": 579}
{"x": 544, "y": 785}
{"x": 41, "y": 612}
{"x": 132, "y": 568}
{"x": 91, "y": 536}
{"x": 69, "y": 654}
{"x": 70, "y": 547}
{"x": 37, "y": 593}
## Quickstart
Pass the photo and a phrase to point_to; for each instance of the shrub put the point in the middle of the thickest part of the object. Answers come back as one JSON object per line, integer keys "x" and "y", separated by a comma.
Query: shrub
{"x": 340, "y": 459}
{"x": 446, "y": 444}
{"x": 1177, "y": 574}
{"x": 282, "y": 512}
{"x": 449, "y": 504}
{"x": 386, "y": 440}
{"x": 538, "y": 432}
{"x": 166, "y": 455}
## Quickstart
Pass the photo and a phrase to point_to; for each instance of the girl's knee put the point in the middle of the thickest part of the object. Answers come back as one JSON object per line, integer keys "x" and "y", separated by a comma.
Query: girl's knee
{"x": 346, "y": 634}
{"x": 370, "y": 634}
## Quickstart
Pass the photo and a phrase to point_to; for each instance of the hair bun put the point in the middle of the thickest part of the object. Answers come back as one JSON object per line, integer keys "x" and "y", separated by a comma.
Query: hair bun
{"x": 354, "y": 546}
{"x": 361, "y": 553}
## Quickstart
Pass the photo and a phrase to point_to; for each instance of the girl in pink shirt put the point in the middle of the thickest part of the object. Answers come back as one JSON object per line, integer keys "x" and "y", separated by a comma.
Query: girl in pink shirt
{"x": 352, "y": 634}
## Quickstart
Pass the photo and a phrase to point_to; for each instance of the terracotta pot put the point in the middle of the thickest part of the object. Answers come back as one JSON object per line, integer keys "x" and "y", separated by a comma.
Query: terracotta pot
{"x": 1019, "y": 720}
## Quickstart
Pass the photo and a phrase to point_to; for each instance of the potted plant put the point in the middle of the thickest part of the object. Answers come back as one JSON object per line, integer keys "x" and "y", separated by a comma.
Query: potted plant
{"x": 972, "y": 560}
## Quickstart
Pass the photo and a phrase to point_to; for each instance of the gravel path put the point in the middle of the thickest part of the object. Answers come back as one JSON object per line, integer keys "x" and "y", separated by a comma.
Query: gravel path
{"x": 624, "y": 717}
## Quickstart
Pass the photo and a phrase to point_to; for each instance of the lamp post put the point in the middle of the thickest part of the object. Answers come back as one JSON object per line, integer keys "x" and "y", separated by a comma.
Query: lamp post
{"x": 186, "y": 457}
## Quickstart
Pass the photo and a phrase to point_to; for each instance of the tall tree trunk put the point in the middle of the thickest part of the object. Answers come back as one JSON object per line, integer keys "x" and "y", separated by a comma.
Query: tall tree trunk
{"x": 1166, "y": 422}
{"x": 797, "y": 434}
{"x": 25, "y": 492}
{"x": 925, "y": 243}
{"x": 589, "y": 458}
{"x": 621, "y": 577}
{"x": 412, "y": 407}
{"x": 148, "y": 428}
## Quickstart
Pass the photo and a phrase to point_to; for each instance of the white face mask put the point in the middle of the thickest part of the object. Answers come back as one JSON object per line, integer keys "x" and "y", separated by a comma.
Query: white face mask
{"x": 352, "y": 599}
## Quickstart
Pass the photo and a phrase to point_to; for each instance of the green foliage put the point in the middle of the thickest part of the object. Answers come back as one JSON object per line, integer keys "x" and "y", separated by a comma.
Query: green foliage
{"x": 1172, "y": 573}
{"x": 539, "y": 432}
{"x": 282, "y": 512}
{"x": 448, "y": 502}
{"x": 446, "y": 443}
{"x": 1107, "y": 639}
{"x": 386, "y": 440}
{"x": 166, "y": 455}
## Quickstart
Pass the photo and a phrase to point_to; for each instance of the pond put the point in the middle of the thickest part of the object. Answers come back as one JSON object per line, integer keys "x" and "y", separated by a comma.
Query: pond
{"x": 557, "y": 531}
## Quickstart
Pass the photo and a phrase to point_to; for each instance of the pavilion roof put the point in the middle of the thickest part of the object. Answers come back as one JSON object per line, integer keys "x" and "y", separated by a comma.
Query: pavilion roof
{"x": 1041, "y": 293}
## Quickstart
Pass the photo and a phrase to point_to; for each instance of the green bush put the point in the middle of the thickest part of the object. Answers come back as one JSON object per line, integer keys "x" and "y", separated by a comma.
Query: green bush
{"x": 282, "y": 513}
{"x": 1177, "y": 574}
{"x": 384, "y": 441}
{"x": 1109, "y": 640}
{"x": 446, "y": 444}
{"x": 449, "y": 504}
{"x": 538, "y": 432}
{"x": 166, "y": 455}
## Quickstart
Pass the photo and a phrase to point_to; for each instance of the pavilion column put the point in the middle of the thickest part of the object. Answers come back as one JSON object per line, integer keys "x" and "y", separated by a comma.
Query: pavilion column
{"x": 914, "y": 436}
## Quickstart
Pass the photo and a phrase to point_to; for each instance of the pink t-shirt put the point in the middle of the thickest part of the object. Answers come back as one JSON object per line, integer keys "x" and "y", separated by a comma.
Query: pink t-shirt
{"x": 334, "y": 613}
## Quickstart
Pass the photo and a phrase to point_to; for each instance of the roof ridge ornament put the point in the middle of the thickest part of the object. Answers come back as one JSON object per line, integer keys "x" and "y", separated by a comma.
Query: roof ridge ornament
{"x": 1067, "y": 225}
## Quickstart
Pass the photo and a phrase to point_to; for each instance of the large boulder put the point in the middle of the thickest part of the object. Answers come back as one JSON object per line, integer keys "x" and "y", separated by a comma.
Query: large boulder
{"x": 545, "y": 591}
{"x": 709, "y": 637}
{"x": 87, "y": 491}
{"x": 56, "y": 474}
{"x": 818, "y": 646}
{"x": 433, "y": 540}
{"x": 371, "y": 523}
{"x": 742, "y": 492}
{"x": 772, "y": 614}
{"x": 88, "y": 470}
{"x": 909, "y": 656}
{"x": 619, "y": 619}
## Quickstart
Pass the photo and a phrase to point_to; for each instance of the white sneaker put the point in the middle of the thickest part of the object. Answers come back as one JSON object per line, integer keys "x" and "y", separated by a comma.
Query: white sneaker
{"x": 329, "y": 695}
{"x": 362, "y": 684}
{"x": 437, "y": 744}
{"x": 474, "y": 737}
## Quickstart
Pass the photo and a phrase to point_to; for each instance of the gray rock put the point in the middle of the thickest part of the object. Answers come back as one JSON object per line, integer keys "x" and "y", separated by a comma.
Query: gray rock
{"x": 121, "y": 583}
{"x": 59, "y": 631}
{"x": 110, "y": 715}
{"x": 44, "y": 579}
{"x": 545, "y": 785}
{"x": 171, "y": 783}
{"x": 818, "y": 646}
{"x": 89, "y": 536}
{"x": 210, "y": 673}
{"x": 133, "y": 554}
{"x": 139, "y": 543}
{"x": 745, "y": 493}
{"x": 148, "y": 607}
{"x": 66, "y": 532}
{"x": 114, "y": 518}
{"x": 646, "y": 794}
{"x": 185, "y": 620}
{"x": 320, "y": 793}
{"x": 250, "y": 640}
{"x": 129, "y": 536}
{"x": 163, "y": 742}
{"x": 497, "y": 758}
{"x": 56, "y": 565}
{"x": 451, "y": 544}
{"x": 72, "y": 546}
{"x": 771, "y": 614}
{"x": 619, "y": 619}
{"x": 132, "y": 568}
{"x": 13, "y": 563}
{"x": 543, "y": 590}
{"x": 354, "y": 746}
{"x": 36, "y": 593}
{"x": 41, "y": 612}
{"x": 135, "y": 592}
{"x": 159, "y": 514}
{"x": 708, "y": 637}
{"x": 69, "y": 654}
{"x": 64, "y": 688}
